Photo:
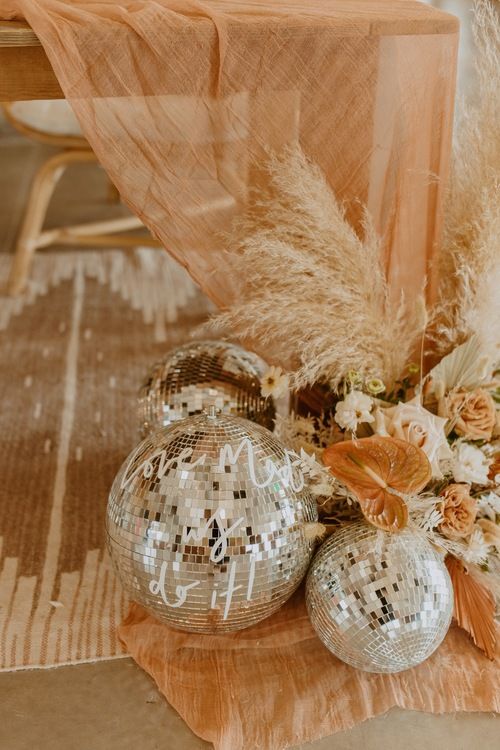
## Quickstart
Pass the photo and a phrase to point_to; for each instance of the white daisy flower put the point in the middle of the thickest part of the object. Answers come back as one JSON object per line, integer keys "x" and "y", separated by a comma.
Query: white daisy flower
{"x": 274, "y": 383}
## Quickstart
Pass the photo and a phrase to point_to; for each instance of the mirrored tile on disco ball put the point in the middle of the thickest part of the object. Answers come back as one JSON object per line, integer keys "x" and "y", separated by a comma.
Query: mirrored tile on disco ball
{"x": 380, "y": 602}
{"x": 202, "y": 374}
{"x": 206, "y": 524}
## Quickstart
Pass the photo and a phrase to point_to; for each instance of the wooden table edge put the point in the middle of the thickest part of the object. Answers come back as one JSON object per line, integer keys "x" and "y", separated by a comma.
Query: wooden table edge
{"x": 26, "y": 73}
{"x": 17, "y": 34}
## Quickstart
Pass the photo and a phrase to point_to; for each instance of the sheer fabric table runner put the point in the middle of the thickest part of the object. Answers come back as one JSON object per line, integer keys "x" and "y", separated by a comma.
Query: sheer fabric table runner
{"x": 181, "y": 99}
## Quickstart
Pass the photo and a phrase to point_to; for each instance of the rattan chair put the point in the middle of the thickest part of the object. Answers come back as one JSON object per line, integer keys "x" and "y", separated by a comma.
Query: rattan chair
{"x": 53, "y": 123}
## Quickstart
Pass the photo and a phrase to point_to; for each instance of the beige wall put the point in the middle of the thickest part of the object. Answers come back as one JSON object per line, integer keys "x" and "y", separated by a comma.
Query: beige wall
{"x": 462, "y": 9}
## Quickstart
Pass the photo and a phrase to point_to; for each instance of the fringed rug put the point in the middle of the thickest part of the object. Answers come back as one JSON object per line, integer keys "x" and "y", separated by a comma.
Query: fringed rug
{"x": 73, "y": 352}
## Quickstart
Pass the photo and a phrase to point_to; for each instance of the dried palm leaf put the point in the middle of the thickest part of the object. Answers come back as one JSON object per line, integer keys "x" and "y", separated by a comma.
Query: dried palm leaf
{"x": 474, "y": 607}
{"x": 464, "y": 367}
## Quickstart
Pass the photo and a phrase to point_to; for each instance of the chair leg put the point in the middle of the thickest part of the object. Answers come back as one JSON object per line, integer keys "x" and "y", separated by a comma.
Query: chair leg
{"x": 42, "y": 189}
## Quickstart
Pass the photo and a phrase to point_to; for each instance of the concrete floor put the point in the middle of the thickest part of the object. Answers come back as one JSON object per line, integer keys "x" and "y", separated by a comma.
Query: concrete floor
{"x": 114, "y": 705}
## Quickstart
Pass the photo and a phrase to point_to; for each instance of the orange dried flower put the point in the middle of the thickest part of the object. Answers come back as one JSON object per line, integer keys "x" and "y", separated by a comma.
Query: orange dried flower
{"x": 494, "y": 469}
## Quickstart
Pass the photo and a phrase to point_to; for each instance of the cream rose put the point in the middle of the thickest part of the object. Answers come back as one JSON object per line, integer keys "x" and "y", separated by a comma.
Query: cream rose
{"x": 458, "y": 509}
{"x": 416, "y": 425}
{"x": 473, "y": 413}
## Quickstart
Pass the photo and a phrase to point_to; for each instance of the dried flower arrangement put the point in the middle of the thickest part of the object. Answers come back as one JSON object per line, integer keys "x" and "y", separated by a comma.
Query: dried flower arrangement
{"x": 401, "y": 446}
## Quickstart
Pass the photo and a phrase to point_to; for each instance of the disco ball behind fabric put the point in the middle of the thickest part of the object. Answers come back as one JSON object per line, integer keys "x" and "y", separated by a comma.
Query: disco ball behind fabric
{"x": 380, "y": 602}
{"x": 202, "y": 374}
{"x": 206, "y": 524}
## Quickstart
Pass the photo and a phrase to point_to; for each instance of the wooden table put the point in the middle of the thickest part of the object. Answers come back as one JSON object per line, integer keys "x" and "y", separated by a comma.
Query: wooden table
{"x": 25, "y": 72}
{"x": 383, "y": 158}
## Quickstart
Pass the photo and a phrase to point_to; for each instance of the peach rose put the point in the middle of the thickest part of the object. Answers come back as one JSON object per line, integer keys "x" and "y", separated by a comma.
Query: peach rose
{"x": 473, "y": 413}
{"x": 458, "y": 509}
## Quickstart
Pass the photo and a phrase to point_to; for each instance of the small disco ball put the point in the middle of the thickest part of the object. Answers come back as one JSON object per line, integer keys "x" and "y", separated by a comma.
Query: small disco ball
{"x": 202, "y": 374}
{"x": 380, "y": 602}
{"x": 206, "y": 523}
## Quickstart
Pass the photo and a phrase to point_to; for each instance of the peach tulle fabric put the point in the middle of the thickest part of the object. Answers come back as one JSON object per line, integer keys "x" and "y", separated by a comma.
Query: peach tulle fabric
{"x": 275, "y": 685}
{"x": 180, "y": 99}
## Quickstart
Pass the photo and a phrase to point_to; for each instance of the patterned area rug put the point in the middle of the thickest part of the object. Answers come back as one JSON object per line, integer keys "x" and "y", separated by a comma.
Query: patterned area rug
{"x": 73, "y": 352}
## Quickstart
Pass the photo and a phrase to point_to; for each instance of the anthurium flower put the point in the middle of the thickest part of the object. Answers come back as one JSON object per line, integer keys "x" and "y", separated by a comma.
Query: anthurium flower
{"x": 379, "y": 471}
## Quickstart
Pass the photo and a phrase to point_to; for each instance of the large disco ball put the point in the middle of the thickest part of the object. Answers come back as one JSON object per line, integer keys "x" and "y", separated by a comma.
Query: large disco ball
{"x": 206, "y": 523}
{"x": 202, "y": 374}
{"x": 380, "y": 602}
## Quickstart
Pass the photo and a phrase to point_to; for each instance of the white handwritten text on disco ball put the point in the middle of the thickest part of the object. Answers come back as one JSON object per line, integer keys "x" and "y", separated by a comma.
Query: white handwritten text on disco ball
{"x": 290, "y": 474}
